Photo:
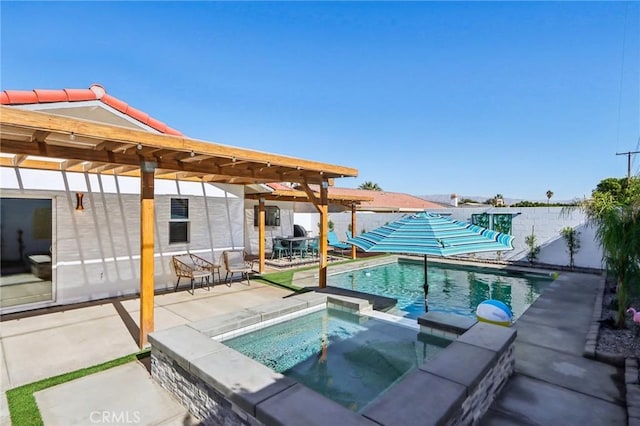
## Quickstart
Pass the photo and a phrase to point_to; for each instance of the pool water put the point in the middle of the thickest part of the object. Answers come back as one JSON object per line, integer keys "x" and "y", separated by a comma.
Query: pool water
{"x": 346, "y": 357}
{"x": 452, "y": 288}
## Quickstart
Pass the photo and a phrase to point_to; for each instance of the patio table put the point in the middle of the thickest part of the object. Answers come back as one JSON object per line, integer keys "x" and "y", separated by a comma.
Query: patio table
{"x": 291, "y": 240}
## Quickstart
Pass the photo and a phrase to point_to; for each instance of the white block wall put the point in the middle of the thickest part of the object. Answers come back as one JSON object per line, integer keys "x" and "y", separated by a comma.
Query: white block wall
{"x": 547, "y": 222}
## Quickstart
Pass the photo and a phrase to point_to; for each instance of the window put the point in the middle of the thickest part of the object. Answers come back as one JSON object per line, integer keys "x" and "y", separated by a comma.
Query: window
{"x": 179, "y": 222}
{"x": 501, "y": 222}
{"x": 271, "y": 216}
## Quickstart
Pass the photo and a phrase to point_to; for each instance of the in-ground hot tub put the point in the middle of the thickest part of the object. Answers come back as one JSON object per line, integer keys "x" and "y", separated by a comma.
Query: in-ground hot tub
{"x": 349, "y": 357}
{"x": 221, "y": 385}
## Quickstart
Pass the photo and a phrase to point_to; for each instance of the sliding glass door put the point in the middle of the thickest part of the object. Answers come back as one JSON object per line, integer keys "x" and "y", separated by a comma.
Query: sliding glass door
{"x": 26, "y": 258}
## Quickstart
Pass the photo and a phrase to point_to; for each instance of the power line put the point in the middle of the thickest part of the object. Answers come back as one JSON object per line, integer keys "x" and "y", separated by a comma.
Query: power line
{"x": 624, "y": 42}
{"x": 628, "y": 154}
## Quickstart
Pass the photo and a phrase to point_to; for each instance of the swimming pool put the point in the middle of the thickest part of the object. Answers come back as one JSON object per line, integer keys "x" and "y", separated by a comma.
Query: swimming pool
{"x": 454, "y": 289}
{"x": 347, "y": 357}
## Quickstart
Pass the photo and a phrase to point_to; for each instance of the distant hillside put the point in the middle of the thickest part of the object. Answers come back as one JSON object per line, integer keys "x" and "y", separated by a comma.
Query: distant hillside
{"x": 446, "y": 198}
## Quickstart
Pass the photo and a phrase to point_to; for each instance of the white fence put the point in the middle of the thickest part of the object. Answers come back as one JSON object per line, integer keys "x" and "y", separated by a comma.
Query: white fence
{"x": 545, "y": 223}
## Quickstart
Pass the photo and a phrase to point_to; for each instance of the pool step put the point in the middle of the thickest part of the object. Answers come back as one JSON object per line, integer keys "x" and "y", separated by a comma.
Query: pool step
{"x": 379, "y": 303}
{"x": 445, "y": 325}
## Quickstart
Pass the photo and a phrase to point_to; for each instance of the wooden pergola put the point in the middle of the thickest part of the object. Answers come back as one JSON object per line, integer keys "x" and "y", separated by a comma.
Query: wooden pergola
{"x": 351, "y": 201}
{"x": 51, "y": 142}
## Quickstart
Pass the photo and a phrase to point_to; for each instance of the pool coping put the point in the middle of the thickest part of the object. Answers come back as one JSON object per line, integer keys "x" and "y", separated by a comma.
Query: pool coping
{"x": 309, "y": 278}
{"x": 218, "y": 384}
{"x": 479, "y": 264}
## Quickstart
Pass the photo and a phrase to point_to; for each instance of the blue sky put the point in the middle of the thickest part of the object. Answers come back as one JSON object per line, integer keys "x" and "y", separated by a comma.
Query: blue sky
{"x": 476, "y": 98}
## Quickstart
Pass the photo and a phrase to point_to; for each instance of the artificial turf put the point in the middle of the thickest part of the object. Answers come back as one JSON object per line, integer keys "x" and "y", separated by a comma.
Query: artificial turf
{"x": 22, "y": 402}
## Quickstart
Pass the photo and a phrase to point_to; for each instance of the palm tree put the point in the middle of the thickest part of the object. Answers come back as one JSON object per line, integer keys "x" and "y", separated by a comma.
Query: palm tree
{"x": 368, "y": 185}
{"x": 549, "y": 195}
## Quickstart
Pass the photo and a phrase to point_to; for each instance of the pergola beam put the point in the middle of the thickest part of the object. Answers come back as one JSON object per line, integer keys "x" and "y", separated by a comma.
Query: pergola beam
{"x": 109, "y": 167}
{"x": 303, "y": 197}
{"x": 78, "y": 134}
{"x": 164, "y": 153}
{"x": 67, "y": 164}
{"x": 194, "y": 157}
{"x": 125, "y": 170}
{"x": 95, "y": 167}
{"x": 13, "y": 147}
{"x": 26, "y": 163}
{"x": 18, "y": 159}
{"x": 40, "y": 135}
{"x": 113, "y": 146}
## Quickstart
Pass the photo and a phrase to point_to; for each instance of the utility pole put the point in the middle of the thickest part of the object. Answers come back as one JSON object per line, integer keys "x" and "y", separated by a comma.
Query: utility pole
{"x": 628, "y": 154}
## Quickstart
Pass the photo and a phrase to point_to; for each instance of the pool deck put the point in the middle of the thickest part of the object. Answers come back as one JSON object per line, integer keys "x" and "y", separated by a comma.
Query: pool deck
{"x": 553, "y": 383}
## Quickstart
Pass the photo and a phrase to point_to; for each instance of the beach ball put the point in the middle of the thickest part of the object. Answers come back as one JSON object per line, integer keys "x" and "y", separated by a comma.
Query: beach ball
{"x": 494, "y": 312}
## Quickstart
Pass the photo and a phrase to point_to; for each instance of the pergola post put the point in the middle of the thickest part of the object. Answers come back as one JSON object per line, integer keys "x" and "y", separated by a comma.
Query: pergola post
{"x": 353, "y": 229}
{"x": 261, "y": 234}
{"x": 147, "y": 170}
{"x": 322, "y": 205}
{"x": 323, "y": 208}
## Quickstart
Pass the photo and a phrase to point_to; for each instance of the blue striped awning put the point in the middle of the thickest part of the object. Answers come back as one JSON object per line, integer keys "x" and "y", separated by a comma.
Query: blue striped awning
{"x": 431, "y": 234}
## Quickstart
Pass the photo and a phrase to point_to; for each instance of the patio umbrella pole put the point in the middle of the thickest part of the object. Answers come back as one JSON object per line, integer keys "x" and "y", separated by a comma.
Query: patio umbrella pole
{"x": 426, "y": 286}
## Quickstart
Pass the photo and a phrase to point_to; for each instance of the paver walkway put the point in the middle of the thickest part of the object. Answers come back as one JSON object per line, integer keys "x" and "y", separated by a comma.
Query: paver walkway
{"x": 553, "y": 383}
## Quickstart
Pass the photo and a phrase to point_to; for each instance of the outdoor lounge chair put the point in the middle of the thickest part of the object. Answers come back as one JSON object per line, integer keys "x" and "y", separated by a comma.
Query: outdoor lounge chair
{"x": 194, "y": 267}
{"x": 234, "y": 262}
{"x": 334, "y": 242}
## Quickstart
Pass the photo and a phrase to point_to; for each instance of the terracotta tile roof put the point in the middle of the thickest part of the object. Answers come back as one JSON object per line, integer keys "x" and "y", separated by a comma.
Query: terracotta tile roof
{"x": 93, "y": 93}
{"x": 382, "y": 200}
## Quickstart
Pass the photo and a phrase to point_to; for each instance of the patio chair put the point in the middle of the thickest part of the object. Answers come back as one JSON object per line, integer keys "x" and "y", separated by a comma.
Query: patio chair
{"x": 334, "y": 242}
{"x": 234, "y": 262}
{"x": 314, "y": 247}
{"x": 279, "y": 248}
{"x": 194, "y": 267}
{"x": 349, "y": 235}
{"x": 301, "y": 248}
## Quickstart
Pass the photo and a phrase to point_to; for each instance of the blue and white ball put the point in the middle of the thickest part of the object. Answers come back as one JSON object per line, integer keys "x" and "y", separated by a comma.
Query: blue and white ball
{"x": 494, "y": 312}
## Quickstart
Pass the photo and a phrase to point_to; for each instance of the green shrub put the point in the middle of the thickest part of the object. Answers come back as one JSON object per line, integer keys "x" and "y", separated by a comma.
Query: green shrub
{"x": 534, "y": 250}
